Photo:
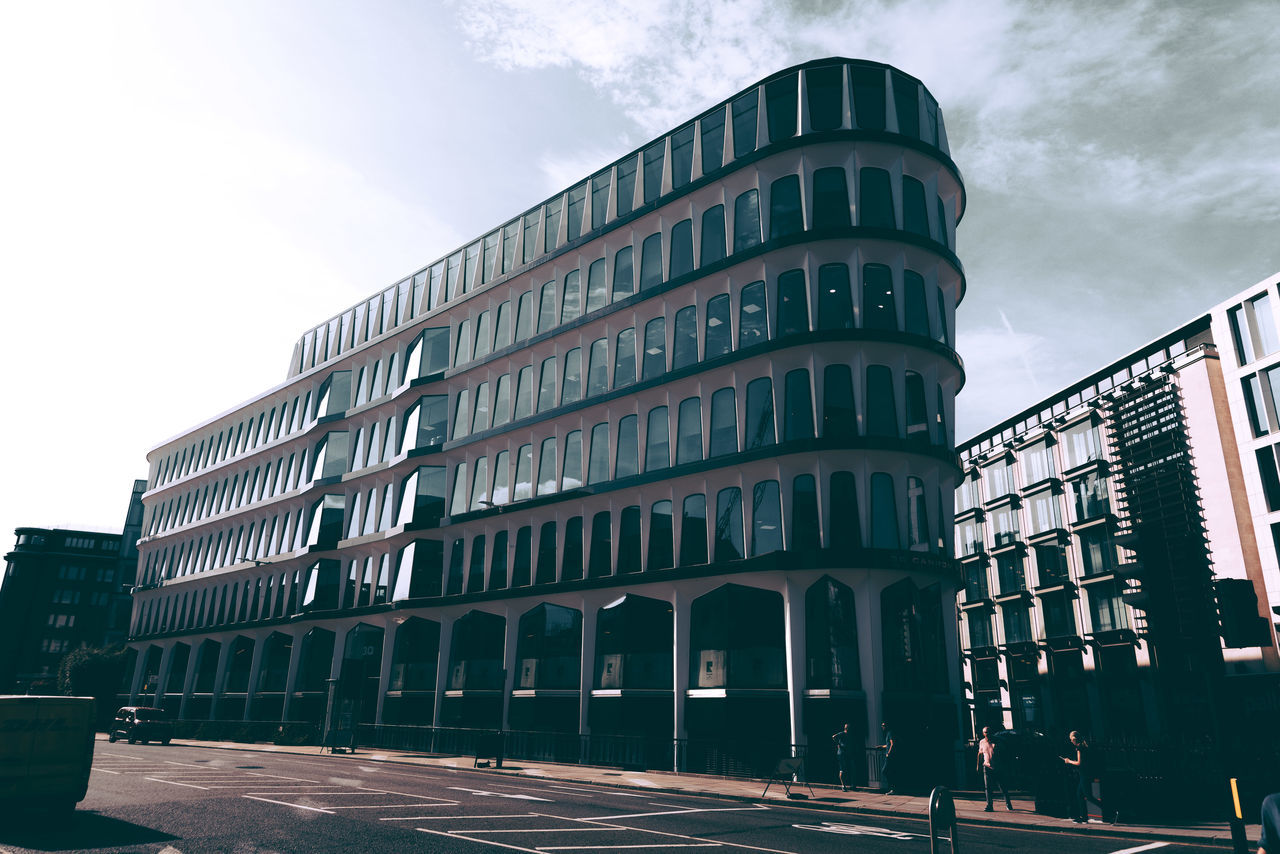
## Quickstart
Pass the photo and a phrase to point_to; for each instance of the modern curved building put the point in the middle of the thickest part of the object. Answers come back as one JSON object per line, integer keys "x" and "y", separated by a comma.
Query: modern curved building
{"x": 670, "y": 454}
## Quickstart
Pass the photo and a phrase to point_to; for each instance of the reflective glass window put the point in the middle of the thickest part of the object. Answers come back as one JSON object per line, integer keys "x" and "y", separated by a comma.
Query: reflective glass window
{"x": 454, "y": 283}
{"x": 484, "y": 336}
{"x": 524, "y": 316}
{"x": 573, "y": 213}
{"x": 917, "y": 414}
{"x": 531, "y": 222}
{"x": 459, "y": 502}
{"x": 744, "y": 123}
{"x": 475, "y": 572}
{"x": 624, "y": 283}
{"x": 941, "y": 334}
{"x": 746, "y": 221}
{"x": 522, "y": 562}
{"x": 454, "y": 583}
{"x": 547, "y": 385}
{"x": 626, "y": 186}
{"x": 835, "y": 307}
{"x": 571, "y": 563}
{"x": 917, "y": 308}
{"x": 657, "y": 448}
{"x": 793, "y": 303}
{"x": 882, "y": 410}
{"x": 825, "y": 91}
{"x": 759, "y": 426}
{"x": 624, "y": 363}
{"x": 600, "y": 554}
{"x": 884, "y": 513}
{"x": 524, "y": 393}
{"x": 830, "y": 198}
{"x": 650, "y": 263}
{"x": 502, "y": 401}
{"x": 462, "y": 414}
{"x": 461, "y": 357}
{"x": 753, "y": 316}
{"x": 681, "y": 156}
{"x": 502, "y": 327}
{"x": 684, "y": 345}
{"x": 628, "y": 461}
{"x": 798, "y": 423}
{"x": 654, "y": 362}
{"x": 712, "y": 135}
{"x": 879, "y": 311}
{"x": 553, "y": 224}
{"x": 915, "y": 214}
{"x": 728, "y": 543}
{"x": 479, "y": 485}
{"x": 724, "y": 423}
{"x": 598, "y": 462}
{"x": 681, "y": 249}
{"x": 480, "y": 421}
{"x": 547, "y": 467}
{"x": 875, "y": 199}
{"x": 629, "y": 544}
{"x": 572, "y": 477}
{"x": 906, "y": 103}
{"x": 868, "y": 97}
{"x": 845, "y": 527}
{"x": 661, "y": 537}
{"x": 689, "y": 431}
{"x": 805, "y": 532}
{"x": 917, "y": 515}
{"x": 600, "y": 200}
{"x": 597, "y": 287}
{"x": 524, "y": 473}
{"x": 786, "y": 214}
{"x": 572, "y": 306}
{"x": 598, "y": 367}
{"x": 693, "y": 530}
{"x": 547, "y": 307}
{"x": 571, "y": 389}
{"x": 781, "y": 102}
{"x": 713, "y": 236}
{"x": 502, "y": 477}
{"x": 838, "y": 414}
{"x": 653, "y": 157}
{"x": 719, "y": 335}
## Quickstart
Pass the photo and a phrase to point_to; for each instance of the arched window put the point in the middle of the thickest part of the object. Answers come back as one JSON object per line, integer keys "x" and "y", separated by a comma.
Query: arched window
{"x": 524, "y": 392}
{"x": 830, "y": 198}
{"x": 728, "y": 533}
{"x": 724, "y": 423}
{"x": 480, "y": 485}
{"x": 547, "y": 307}
{"x": 624, "y": 363}
{"x": 719, "y": 337}
{"x": 838, "y": 415}
{"x": 661, "y": 533}
{"x": 598, "y": 368}
{"x": 522, "y": 565}
{"x": 458, "y": 504}
{"x": 598, "y": 462}
{"x": 746, "y": 221}
{"x": 461, "y": 414}
{"x": 546, "y": 569}
{"x": 547, "y": 467}
{"x": 915, "y": 211}
{"x": 766, "y": 518}
{"x": 835, "y": 308}
{"x": 502, "y": 401}
{"x": 461, "y": 357}
{"x": 502, "y": 328}
{"x": 484, "y": 335}
{"x": 917, "y": 515}
{"x": 571, "y": 562}
{"x": 480, "y": 421}
{"x": 597, "y": 286}
{"x": 693, "y": 530}
{"x": 689, "y": 431}
{"x": 475, "y": 568}
{"x": 650, "y": 262}
{"x": 681, "y": 248}
{"x": 875, "y": 199}
{"x": 624, "y": 283}
{"x": 571, "y": 387}
{"x": 713, "y": 235}
{"x": 502, "y": 477}
{"x": 524, "y": 473}
{"x": 879, "y": 310}
{"x": 498, "y": 566}
{"x": 753, "y": 315}
{"x": 572, "y": 478}
{"x": 654, "y": 362}
{"x": 628, "y": 461}
{"x": 524, "y": 316}
{"x": 657, "y": 447}
{"x": 917, "y": 416}
{"x": 572, "y": 307}
{"x": 759, "y": 426}
{"x": 684, "y": 345}
{"x": 916, "y": 308}
{"x": 600, "y": 554}
{"x": 547, "y": 385}
{"x": 793, "y": 303}
{"x": 806, "y": 535}
{"x": 786, "y": 214}
{"x": 884, "y": 513}
{"x": 882, "y": 409}
{"x": 798, "y": 423}
{"x": 629, "y": 544}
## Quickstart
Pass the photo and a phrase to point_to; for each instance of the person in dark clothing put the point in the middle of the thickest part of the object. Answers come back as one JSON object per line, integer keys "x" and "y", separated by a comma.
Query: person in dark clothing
{"x": 992, "y": 773}
{"x": 1086, "y": 771}
{"x": 889, "y": 764}
{"x": 844, "y": 757}
{"x": 1269, "y": 842}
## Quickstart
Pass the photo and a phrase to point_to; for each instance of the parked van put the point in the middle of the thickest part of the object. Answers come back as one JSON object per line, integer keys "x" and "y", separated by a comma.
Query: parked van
{"x": 141, "y": 723}
{"x": 46, "y": 750}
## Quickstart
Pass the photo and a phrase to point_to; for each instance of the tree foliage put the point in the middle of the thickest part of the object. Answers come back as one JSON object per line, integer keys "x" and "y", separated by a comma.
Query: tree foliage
{"x": 93, "y": 672}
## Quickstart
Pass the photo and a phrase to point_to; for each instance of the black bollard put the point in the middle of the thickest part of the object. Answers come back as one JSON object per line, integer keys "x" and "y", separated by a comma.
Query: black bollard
{"x": 942, "y": 816}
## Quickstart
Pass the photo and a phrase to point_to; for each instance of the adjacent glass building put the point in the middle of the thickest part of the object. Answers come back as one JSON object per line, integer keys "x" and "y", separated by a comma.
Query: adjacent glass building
{"x": 1118, "y": 542}
{"x": 669, "y": 454}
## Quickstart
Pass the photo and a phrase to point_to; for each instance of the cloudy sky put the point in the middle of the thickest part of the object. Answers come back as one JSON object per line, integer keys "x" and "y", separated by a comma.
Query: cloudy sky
{"x": 186, "y": 187}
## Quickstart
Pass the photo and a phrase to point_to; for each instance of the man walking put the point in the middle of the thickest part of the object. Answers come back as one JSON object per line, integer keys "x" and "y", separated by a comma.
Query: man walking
{"x": 990, "y": 770}
{"x": 844, "y": 756}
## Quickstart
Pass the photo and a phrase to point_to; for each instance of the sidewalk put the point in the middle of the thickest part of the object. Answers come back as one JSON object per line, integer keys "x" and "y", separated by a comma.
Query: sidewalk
{"x": 969, "y": 804}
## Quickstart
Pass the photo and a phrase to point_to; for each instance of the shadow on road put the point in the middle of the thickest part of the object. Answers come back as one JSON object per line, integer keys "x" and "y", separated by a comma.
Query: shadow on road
{"x": 81, "y": 829}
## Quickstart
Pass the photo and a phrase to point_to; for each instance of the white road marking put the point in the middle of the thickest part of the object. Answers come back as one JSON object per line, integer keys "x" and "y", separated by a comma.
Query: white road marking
{"x": 461, "y": 817}
{"x": 547, "y": 830}
{"x": 485, "y": 794}
{"x": 860, "y": 830}
{"x": 287, "y": 804}
{"x": 683, "y": 811}
{"x": 1150, "y": 847}
{"x": 104, "y": 771}
{"x": 621, "y": 847}
{"x": 449, "y": 835}
{"x": 640, "y": 781}
{"x": 174, "y": 783}
{"x": 679, "y": 835}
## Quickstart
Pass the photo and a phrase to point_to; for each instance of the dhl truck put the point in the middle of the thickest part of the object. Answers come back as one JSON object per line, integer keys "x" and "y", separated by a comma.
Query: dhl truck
{"x": 46, "y": 751}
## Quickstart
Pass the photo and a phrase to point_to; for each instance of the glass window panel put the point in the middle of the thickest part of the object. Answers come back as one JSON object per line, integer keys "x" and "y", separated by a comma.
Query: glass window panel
{"x": 835, "y": 307}
{"x": 547, "y": 385}
{"x": 624, "y": 283}
{"x": 481, "y": 419}
{"x": 524, "y": 316}
{"x": 626, "y": 185}
{"x": 806, "y": 535}
{"x": 713, "y": 236}
{"x": 624, "y": 364}
{"x": 830, "y": 198}
{"x": 480, "y": 485}
{"x": 940, "y": 316}
{"x": 571, "y": 563}
{"x": 597, "y": 286}
{"x": 571, "y": 390}
{"x": 917, "y": 414}
{"x": 825, "y": 91}
{"x": 793, "y": 303}
{"x": 682, "y": 156}
{"x": 547, "y": 467}
{"x": 572, "y": 307}
{"x": 461, "y": 357}
{"x": 693, "y": 530}
{"x": 766, "y": 518}
{"x": 654, "y": 362}
{"x": 509, "y": 235}
{"x": 600, "y": 199}
{"x": 600, "y": 554}
{"x": 502, "y": 477}
{"x": 598, "y": 462}
{"x": 502, "y": 401}
{"x": 759, "y": 427}
{"x": 653, "y": 157}
{"x": 838, "y": 414}
{"x": 846, "y": 534}
{"x": 879, "y": 311}
{"x": 628, "y": 461}
{"x": 875, "y": 199}
{"x": 661, "y": 537}
{"x": 781, "y": 101}
{"x": 719, "y": 335}
{"x": 484, "y": 336}
{"x": 786, "y": 214}
{"x": 547, "y": 307}
{"x": 573, "y": 213}
{"x": 502, "y": 328}
{"x": 917, "y": 515}
{"x": 868, "y": 97}
{"x": 906, "y": 103}
{"x": 524, "y": 393}
{"x": 657, "y": 451}
{"x": 453, "y": 279}
{"x": 917, "y": 308}
{"x": 681, "y": 250}
{"x": 459, "y": 502}
{"x": 724, "y": 423}
{"x": 729, "y": 544}
{"x": 915, "y": 214}
{"x": 489, "y": 260}
{"x": 629, "y": 540}
{"x": 572, "y": 478}
{"x": 882, "y": 410}
{"x": 746, "y": 221}
{"x": 689, "y": 431}
{"x": 462, "y": 414}
{"x": 522, "y": 563}
{"x": 884, "y": 513}
{"x": 598, "y": 368}
{"x": 798, "y": 423}
{"x": 712, "y": 134}
{"x": 744, "y": 123}
{"x": 524, "y": 473}
{"x": 753, "y": 316}
{"x": 650, "y": 262}
{"x": 553, "y": 224}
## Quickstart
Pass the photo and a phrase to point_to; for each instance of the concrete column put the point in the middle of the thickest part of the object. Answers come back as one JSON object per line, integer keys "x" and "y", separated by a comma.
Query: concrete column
{"x": 442, "y": 667}
{"x": 139, "y": 670}
{"x": 255, "y": 668}
{"x": 384, "y": 673}
{"x": 794, "y": 621}
{"x": 291, "y": 681}
{"x": 587, "y": 674}
{"x": 870, "y": 655}
{"x": 162, "y": 675}
{"x": 681, "y": 602}
{"x": 510, "y": 664}
{"x": 220, "y": 677}
{"x": 189, "y": 682}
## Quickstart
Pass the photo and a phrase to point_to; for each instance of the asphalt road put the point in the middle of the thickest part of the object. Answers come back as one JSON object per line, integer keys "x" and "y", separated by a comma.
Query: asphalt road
{"x": 145, "y": 799}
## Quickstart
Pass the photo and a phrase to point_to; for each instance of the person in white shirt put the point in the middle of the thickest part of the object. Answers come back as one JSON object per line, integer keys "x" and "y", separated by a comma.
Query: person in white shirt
{"x": 991, "y": 772}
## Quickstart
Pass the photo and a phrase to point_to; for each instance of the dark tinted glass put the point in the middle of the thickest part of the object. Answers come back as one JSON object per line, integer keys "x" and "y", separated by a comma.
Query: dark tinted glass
{"x": 681, "y": 248}
{"x": 628, "y": 462}
{"x": 917, "y": 415}
{"x": 781, "y": 98}
{"x": 868, "y": 97}
{"x": 600, "y": 555}
{"x": 693, "y": 531}
{"x": 835, "y": 307}
{"x": 882, "y": 411}
{"x": 728, "y": 532}
{"x": 724, "y": 423}
{"x": 571, "y": 565}
{"x": 689, "y": 431}
{"x": 624, "y": 363}
{"x": 746, "y": 220}
{"x": 624, "y": 282}
{"x": 553, "y": 224}
{"x": 830, "y": 198}
{"x": 654, "y": 360}
{"x": 825, "y": 97}
{"x": 878, "y": 308}
{"x": 712, "y": 127}
{"x": 681, "y": 157}
{"x": 626, "y": 186}
{"x": 719, "y": 337}
{"x": 845, "y": 527}
{"x": 915, "y": 215}
{"x": 546, "y": 553}
{"x": 713, "y": 247}
{"x": 875, "y": 199}
{"x": 629, "y": 540}
{"x": 759, "y": 415}
{"x": 805, "y": 534}
{"x": 661, "y": 537}
{"x": 653, "y": 157}
{"x": 522, "y": 565}
{"x": 798, "y": 423}
{"x": 684, "y": 345}
{"x": 766, "y": 518}
{"x": 574, "y": 211}
{"x": 906, "y": 103}
{"x": 650, "y": 262}
{"x": 657, "y": 451}
{"x": 786, "y": 216}
{"x": 917, "y": 310}
{"x": 599, "y": 200}
{"x": 753, "y": 316}
{"x": 793, "y": 303}
{"x": 838, "y": 421}
{"x": 744, "y": 123}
